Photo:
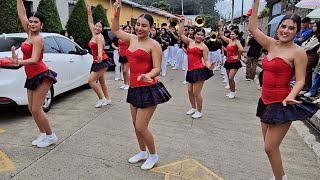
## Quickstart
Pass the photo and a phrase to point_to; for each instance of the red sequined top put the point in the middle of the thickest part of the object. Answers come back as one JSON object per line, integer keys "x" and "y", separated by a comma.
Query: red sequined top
{"x": 277, "y": 75}
{"x": 94, "y": 51}
{"x": 194, "y": 58}
{"x": 232, "y": 50}
{"x": 122, "y": 48}
{"x": 32, "y": 70}
{"x": 140, "y": 62}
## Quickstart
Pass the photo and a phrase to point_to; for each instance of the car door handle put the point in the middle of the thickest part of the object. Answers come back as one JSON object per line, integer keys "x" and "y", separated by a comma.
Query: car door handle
{"x": 47, "y": 60}
{"x": 71, "y": 60}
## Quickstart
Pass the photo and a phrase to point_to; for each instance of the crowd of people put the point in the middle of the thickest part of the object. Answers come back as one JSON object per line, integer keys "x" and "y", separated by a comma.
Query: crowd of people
{"x": 142, "y": 54}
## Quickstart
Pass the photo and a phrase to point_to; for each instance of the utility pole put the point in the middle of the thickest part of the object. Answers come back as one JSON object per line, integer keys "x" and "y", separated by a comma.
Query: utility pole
{"x": 182, "y": 7}
{"x": 242, "y": 14}
{"x": 232, "y": 12}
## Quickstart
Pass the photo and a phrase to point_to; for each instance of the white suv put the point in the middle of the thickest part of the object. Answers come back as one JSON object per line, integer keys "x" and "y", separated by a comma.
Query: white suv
{"x": 68, "y": 59}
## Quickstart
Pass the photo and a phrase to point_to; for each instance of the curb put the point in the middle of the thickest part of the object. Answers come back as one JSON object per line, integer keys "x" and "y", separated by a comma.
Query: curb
{"x": 315, "y": 121}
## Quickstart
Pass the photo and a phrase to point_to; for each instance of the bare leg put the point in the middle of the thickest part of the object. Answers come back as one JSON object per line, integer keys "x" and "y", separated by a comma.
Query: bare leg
{"x": 231, "y": 74}
{"x": 191, "y": 95}
{"x": 38, "y": 97}
{"x": 273, "y": 139}
{"x": 125, "y": 73}
{"x": 94, "y": 76}
{"x": 142, "y": 145}
{"x": 143, "y": 118}
{"x": 30, "y": 98}
{"x": 104, "y": 86}
{"x": 197, "y": 87}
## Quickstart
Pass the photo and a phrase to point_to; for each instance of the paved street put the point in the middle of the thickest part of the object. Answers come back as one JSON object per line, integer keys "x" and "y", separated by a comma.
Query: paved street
{"x": 226, "y": 143}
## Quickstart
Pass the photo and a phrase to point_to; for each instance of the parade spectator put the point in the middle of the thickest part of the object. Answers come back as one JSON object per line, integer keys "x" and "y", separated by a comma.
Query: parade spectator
{"x": 311, "y": 46}
{"x": 305, "y": 32}
{"x": 253, "y": 55}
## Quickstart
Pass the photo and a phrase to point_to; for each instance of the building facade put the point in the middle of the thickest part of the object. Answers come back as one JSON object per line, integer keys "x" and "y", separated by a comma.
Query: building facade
{"x": 129, "y": 13}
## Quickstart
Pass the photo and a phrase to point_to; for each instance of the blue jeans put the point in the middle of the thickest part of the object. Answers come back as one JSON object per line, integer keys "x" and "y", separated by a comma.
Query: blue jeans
{"x": 315, "y": 85}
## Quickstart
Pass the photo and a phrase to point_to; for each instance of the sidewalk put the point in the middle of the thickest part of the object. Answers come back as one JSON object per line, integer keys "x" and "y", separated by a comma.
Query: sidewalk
{"x": 226, "y": 143}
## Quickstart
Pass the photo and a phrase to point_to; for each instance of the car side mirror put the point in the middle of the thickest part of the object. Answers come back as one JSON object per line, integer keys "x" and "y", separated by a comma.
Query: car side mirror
{"x": 84, "y": 52}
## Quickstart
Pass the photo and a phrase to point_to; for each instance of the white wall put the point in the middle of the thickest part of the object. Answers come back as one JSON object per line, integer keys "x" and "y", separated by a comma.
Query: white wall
{"x": 63, "y": 9}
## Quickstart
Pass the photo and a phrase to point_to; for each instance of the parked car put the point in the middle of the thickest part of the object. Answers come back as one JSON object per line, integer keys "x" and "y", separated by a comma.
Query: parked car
{"x": 68, "y": 59}
{"x": 108, "y": 37}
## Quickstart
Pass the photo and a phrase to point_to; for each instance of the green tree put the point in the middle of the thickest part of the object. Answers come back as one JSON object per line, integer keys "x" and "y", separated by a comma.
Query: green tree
{"x": 163, "y": 4}
{"x": 52, "y": 23}
{"x": 9, "y": 21}
{"x": 99, "y": 13}
{"x": 77, "y": 24}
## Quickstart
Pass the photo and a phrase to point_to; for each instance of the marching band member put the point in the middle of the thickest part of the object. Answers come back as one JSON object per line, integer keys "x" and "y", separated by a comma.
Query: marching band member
{"x": 165, "y": 40}
{"x": 214, "y": 44}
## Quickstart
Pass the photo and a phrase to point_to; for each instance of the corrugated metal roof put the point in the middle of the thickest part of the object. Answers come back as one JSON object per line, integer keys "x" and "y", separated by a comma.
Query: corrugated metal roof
{"x": 149, "y": 9}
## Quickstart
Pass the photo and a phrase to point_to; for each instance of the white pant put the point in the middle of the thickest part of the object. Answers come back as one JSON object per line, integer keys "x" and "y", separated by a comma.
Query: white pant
{"x": 215, "y": 56}
{"x": 185, "y": 63}
{"x": 179, "y": 58}
{"x": 164, "y": 62}
{"x": 118, "y": 65}
{"x": 172, "y": 54}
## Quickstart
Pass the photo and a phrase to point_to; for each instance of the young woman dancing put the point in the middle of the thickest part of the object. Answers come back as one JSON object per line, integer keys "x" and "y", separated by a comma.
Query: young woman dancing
{"x": 279, "y": 105}
{"x": 197, "y": 72}
{"x": 39, "y": 77}
{"x": 101, "y": 61}
{"x": 234, "y": 50}
{"x": 146, "y": 92}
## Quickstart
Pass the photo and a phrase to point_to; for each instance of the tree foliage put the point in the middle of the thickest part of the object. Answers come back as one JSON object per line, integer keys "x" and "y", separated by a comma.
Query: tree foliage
{"x": 190, "y": 7}
{"x": 9, "y": 21}
{"x": 99, "y": 13}
{"x": 49, "y": 11}
{"x": 164, "y": 5}
{"x": 77, "y": 24}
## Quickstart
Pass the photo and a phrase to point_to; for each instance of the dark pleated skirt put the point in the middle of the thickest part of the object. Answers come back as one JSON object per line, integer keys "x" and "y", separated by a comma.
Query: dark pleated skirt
{"x": 200, "y": 74}
{"x": 105, "y": 63}
{"x": 35, "y": 81}
{"x": 232, "y": 65}
{"x": 146, "y": 96}
{"x": 276, "y": 113}
{"x": 123, "y": 59}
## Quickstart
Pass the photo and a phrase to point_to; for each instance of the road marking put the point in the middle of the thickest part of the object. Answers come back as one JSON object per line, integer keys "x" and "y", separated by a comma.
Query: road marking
{"x": 5, "y": 163}
{"x": 188, "y": 169}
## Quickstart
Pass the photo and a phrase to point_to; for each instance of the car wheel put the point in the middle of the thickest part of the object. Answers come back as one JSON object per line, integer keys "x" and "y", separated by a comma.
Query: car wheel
{"x": 48, "y": 100}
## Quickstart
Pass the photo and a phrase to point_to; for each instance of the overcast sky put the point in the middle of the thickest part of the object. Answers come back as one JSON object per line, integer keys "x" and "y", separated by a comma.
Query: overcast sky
{"x": 224, "y": 7}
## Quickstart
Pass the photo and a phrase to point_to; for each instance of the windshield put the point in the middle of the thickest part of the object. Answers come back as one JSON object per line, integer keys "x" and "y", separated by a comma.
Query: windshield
{"x": 107, "y": 34}
{"x": 7, "y": 42}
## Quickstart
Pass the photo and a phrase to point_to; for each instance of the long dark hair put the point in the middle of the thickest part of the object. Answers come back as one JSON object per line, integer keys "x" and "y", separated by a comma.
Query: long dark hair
{"x": 317, "y": 33}
{"x": 295, "y": 18}
{"x": 101, "y": 22}
{"x": 36, "y": 14}
{"x": 148, "y": 17}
